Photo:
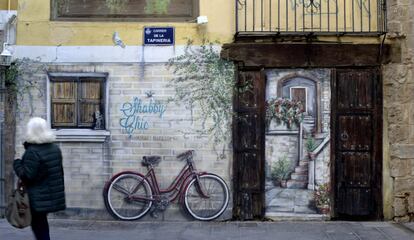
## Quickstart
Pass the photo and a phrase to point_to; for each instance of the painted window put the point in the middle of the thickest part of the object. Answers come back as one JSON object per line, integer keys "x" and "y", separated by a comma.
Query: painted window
{"x": 77, "y": 101}
{"x": 121, "y": 10}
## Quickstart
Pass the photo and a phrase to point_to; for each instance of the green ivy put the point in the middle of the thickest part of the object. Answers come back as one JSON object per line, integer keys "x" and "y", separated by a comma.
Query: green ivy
{"x": 115, "y": 6}
{"x": 157, "y": 6}
{"x": 20, "y": 80}
{"x": 206, "y": 82}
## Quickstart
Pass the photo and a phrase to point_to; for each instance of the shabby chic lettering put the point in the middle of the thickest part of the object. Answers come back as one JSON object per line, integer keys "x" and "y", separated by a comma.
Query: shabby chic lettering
{"x": 134, "y": 112}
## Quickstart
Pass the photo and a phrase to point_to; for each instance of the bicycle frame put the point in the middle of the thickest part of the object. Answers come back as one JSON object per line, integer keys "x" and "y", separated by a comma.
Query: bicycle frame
{"x": 179, "y": 184}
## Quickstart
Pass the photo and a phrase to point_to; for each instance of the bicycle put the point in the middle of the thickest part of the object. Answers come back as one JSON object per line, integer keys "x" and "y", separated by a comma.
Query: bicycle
{"x": 130, "y": 195}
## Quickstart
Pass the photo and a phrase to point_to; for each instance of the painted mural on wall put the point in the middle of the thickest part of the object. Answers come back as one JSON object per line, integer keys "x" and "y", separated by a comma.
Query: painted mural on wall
{"x": 135, "y": 113}
{"x": 297, "y": 141}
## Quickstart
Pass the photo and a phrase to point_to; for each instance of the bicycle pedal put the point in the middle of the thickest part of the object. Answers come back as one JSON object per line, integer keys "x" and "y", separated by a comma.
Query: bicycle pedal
{"x": 154, "y": 214}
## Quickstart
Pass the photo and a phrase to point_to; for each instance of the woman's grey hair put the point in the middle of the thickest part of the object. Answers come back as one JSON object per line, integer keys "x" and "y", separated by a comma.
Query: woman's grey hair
{"x": 39, "y": 132}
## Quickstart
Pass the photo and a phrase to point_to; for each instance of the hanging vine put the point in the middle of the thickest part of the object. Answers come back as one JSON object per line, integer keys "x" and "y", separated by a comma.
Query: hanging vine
{"x": 115, "y": 6}
{"x": 205, "y": 82}
{"x": 20, "y": 80}
{"x": 157, "y": 6}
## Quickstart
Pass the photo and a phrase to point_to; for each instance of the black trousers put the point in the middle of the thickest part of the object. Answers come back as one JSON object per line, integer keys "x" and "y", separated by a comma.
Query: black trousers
{"x": 40, "y": 226}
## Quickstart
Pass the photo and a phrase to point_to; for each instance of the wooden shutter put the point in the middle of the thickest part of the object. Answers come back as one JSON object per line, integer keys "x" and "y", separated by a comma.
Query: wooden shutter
{"x": 90, "y": 100}
{"x": 63, "y": 100}
{"x": 124, "y": 9}
{"x": 358, "y": 133}
{"x": 248, "y": 140}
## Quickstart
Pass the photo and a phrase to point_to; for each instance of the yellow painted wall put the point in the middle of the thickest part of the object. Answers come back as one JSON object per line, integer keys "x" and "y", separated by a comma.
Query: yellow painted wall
{"x": 35, "y": 28}
{"x": 8, "y": 4}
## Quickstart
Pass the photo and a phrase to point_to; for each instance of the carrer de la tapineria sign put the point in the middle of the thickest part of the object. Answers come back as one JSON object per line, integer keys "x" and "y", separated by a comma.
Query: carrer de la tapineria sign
{"x": 136, "y": 114}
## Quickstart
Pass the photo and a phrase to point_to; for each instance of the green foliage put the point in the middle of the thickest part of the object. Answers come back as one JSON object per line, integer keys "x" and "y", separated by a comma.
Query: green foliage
{"x": 281, "y": 169}
{"x": 157, "y": 6}
{"x": 205, "y": 82}
{"x": 284, "y": 110}
{"x": 310, "y": 144}
{"x": 322, "y": 195}
{"x": 115, "y": 5}
{"x": 20, "y": 80}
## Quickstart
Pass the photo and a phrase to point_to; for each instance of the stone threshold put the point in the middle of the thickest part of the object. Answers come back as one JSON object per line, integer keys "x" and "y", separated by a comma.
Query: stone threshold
{"x": 283, "y": 216}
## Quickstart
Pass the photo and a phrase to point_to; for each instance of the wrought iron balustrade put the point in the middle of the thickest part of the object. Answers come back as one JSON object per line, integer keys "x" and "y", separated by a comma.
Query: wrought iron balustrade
{"x": 310, "y": 17}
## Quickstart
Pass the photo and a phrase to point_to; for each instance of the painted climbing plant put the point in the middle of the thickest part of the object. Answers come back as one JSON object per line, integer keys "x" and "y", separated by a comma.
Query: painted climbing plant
{"x": 205, "y": 82}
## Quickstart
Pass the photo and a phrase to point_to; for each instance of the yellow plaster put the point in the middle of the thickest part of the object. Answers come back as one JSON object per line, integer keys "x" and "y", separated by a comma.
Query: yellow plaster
{"x": 35, "y": 28}
{"x": 4, "y": 5}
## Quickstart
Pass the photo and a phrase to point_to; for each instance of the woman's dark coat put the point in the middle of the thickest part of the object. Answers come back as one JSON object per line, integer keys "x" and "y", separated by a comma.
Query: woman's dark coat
{"x": 41, "y": 171}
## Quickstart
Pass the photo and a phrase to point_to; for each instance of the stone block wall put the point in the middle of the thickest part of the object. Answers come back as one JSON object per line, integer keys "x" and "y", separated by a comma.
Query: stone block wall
{"x": 279, "y": 146}
{"x": 398, "y": 87}
{"x": 88, "y": 165}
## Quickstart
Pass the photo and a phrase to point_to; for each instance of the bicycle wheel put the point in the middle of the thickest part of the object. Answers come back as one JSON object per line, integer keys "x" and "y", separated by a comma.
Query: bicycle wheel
{"x": 118, "y": 196}
{"x": 210, "y": 205}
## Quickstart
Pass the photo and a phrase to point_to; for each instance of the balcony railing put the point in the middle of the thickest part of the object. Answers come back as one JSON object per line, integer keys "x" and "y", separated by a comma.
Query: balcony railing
{"x": 303, "y": 17}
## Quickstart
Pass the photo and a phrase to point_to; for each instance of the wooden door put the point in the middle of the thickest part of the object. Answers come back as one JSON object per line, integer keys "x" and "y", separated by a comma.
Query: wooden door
{"x": 298, "y": 94}
{"x": 357, "y": 131}
{"x": 248, "y": 140}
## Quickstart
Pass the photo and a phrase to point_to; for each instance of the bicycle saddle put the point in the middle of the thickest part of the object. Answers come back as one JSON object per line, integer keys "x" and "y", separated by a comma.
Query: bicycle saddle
{"x": 151, "y": 160}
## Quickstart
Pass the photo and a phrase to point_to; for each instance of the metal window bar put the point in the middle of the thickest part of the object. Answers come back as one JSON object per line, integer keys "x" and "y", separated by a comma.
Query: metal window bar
{"x": 320, "y": 15}
{"x": 295, "y": 17}
{"x": 270, "y": 15}
{"x": 324, "y": 17}
{"x": 278, "y": 15}
{"x": 369, "y": 16}
{"x": 329, "y": 17}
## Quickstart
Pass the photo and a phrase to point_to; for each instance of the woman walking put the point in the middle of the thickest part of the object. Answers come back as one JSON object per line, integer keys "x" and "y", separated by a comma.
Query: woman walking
{"x": 41, "y": 171}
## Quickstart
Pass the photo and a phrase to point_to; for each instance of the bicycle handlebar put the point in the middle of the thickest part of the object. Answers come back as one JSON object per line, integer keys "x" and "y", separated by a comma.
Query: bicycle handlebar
{"x": 186, "y": 155}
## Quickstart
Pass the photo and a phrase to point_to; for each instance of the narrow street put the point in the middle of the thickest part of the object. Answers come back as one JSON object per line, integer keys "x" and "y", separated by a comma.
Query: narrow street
{"x": 108, "y": 230}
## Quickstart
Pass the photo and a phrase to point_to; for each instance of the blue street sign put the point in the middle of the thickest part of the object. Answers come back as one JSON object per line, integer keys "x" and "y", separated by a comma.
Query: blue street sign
{"x": 158, "y": 36}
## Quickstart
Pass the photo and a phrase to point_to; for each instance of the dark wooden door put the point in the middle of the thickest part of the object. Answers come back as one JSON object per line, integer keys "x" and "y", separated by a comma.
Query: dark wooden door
{"x": 357, "y": 131}
{"x": 248, "y": 140}
{"x": 299, "y": 95}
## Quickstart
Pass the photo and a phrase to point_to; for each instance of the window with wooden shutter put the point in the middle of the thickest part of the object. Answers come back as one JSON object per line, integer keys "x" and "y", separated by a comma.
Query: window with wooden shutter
{"x": 121, "y": 10}
{"x": 77, "y": 102}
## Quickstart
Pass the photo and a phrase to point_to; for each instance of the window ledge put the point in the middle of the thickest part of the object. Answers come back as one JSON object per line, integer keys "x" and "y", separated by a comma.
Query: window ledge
{"x": 81, "y": 135}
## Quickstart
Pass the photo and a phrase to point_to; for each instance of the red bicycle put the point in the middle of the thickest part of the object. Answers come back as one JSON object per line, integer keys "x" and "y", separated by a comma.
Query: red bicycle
{"x": 130, "y": 195}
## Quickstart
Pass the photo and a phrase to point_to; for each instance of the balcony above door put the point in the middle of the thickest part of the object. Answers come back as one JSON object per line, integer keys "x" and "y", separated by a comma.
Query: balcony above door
{"x": 310, "y": 17}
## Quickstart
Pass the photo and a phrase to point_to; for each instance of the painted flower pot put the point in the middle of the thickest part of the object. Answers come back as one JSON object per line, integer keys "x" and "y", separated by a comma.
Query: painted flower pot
{"x": 323, "y": 209}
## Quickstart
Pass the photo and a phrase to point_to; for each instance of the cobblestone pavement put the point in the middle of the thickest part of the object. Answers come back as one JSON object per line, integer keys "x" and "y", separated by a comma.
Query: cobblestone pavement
{"x": 102, "y": 230}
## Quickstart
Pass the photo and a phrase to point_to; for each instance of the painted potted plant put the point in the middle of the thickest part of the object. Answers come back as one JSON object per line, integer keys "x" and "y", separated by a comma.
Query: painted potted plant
{"x": 283, "y": 111}
{"x": 310, "y": 145}
{"x": 280, "y": 171}
{"x": 322, "y": 198}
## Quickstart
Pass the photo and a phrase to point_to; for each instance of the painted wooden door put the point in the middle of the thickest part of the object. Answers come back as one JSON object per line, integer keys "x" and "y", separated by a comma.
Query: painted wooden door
{"x": 299, "y": 94}
{"x": 248, "y": 140}
{"x": 357, "y": 132}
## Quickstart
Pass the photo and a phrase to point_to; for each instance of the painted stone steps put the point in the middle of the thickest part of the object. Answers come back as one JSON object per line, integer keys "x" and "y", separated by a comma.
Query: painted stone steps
{"x": 297, "y": 184}
{"x": 301, "y": 169}
{"x": 300, "y": 177}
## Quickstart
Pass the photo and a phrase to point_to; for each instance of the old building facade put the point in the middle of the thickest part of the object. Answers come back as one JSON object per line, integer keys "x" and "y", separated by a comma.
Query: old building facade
{"x": 322, "y": 109}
